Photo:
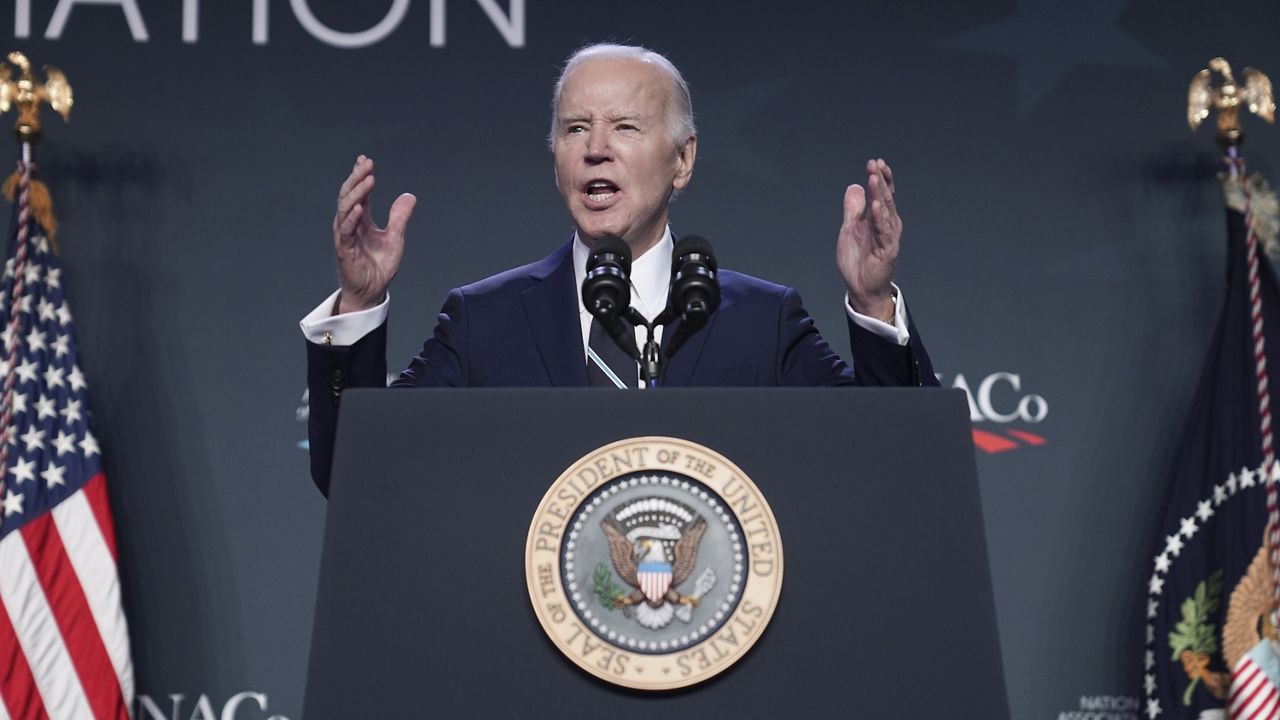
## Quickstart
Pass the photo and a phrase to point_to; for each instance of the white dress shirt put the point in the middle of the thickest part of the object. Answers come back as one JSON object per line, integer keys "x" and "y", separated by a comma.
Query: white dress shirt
{"x": 650, "y": 283}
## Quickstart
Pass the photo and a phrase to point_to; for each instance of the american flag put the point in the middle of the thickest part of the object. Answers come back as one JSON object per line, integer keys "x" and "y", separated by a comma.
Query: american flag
{"x": 64, "y": 645}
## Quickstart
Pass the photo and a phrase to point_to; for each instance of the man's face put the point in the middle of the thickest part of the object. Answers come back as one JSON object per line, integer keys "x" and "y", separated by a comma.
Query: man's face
{"x": 616, "y": 162}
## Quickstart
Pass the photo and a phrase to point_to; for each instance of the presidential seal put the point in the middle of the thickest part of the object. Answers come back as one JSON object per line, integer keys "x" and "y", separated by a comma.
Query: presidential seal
{"x": 654, "y": 563}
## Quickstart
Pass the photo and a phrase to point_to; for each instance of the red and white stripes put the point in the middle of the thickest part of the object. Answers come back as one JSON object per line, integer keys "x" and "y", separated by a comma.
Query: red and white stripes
{"x": 63, "y": 635}
{"x": 1253, "y": 695}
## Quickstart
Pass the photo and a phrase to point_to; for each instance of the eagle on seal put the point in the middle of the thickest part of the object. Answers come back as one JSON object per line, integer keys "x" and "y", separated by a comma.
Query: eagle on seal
{"x": 645, "y": 567}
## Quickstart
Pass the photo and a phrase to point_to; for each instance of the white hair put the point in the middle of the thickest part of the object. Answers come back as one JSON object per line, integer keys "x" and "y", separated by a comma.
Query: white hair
{"x": 679, "y": 105}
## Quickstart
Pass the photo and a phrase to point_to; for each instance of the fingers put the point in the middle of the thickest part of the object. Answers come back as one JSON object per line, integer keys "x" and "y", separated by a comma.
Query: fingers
{"x": 880, "y": 182}
{"x": 347, "y": 226}
{"x": 401, "y": 211}
{"x": 887, "y": 172}
{"x": 361, "y": 170}
{"x": 357, "y": 195}
{"x": 855, "y": 204}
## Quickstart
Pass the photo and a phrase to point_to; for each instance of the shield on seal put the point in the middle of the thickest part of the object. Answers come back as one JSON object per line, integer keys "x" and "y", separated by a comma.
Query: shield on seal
{"x": 655, "y": 579}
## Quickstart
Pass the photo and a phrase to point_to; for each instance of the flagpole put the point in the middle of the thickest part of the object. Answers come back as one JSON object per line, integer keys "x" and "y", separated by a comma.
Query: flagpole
{"x": 28, "y": 95}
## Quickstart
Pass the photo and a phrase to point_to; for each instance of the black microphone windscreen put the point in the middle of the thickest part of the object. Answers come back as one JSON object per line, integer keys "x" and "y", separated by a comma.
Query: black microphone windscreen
{"x": 692, "y": 244}
{"x": 613, "y": 245}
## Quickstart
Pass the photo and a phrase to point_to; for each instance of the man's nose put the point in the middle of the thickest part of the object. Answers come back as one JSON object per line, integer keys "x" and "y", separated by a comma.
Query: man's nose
{"x": 598, "y": 148}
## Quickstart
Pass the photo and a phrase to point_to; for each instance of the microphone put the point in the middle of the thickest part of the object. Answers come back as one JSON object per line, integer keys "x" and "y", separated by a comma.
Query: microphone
{"x": 606, "y": 291}
{"x": 695, "y": 291}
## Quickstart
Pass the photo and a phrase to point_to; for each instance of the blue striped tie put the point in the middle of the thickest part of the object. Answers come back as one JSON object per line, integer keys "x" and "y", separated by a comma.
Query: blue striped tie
{"x": 608, "y": 365}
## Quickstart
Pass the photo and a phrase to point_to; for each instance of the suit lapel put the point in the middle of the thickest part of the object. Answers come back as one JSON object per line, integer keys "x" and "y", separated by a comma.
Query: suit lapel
{"x": 551, "y": 307}
{"x": 680, "y": 370}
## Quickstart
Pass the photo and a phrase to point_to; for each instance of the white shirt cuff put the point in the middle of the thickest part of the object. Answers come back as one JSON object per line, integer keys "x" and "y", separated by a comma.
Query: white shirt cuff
{"x": 323, "y": 327}
{"x": 895, "y": 333}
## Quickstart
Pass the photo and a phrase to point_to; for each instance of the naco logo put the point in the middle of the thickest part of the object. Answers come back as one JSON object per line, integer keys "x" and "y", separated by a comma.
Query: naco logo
{"x": 999, "y": 399}
{"x": 241, "y": 706}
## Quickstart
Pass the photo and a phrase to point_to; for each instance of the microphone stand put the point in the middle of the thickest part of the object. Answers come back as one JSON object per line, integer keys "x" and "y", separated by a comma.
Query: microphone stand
{"x": 651, "y": 358}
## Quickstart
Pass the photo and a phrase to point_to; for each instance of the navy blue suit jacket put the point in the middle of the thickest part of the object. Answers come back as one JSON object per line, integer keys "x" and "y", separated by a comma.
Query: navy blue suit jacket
{"x": 520, "y": 328}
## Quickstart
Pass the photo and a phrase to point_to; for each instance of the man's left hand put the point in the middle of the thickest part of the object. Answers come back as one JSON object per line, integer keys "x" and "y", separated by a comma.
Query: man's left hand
{"x": 867, "y": 247}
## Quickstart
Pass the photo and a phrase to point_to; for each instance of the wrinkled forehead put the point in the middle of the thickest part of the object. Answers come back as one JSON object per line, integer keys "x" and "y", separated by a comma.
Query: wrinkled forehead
{"x": 613, "y": 87}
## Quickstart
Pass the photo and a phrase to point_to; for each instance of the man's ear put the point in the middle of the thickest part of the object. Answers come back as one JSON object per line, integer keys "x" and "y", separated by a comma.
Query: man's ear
{"x": 686, "y": 153}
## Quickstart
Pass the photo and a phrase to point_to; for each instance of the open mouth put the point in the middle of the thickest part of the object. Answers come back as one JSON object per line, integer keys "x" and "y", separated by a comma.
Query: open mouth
{"x": 599, "y": 191}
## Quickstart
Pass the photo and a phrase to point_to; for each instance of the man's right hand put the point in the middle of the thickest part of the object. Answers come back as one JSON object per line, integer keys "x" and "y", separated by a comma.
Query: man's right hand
{"x": 368, "y": 256}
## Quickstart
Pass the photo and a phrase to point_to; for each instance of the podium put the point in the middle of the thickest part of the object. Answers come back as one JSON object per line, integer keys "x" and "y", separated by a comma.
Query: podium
{"x": 886, "y": 606}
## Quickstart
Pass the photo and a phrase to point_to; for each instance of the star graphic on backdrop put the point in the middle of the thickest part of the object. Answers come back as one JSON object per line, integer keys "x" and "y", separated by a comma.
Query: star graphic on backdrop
{"x": 1049, "y": 38}
{"x": 731, "y": 108}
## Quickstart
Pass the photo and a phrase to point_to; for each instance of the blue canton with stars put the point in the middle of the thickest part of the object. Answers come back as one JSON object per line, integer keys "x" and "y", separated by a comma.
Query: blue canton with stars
{"x": 52, "y": 452}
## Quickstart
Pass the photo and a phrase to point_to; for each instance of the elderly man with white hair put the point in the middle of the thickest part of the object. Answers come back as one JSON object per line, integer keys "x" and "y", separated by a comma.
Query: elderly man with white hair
{"x": 624, "y": 141}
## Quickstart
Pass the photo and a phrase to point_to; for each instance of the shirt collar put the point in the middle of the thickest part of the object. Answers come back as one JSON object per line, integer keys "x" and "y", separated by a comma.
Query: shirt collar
{"x": 650, "y": 275}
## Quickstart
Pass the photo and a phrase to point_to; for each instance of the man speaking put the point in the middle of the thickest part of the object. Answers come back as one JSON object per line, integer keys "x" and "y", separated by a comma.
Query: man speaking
{"x": 624, "y": 142}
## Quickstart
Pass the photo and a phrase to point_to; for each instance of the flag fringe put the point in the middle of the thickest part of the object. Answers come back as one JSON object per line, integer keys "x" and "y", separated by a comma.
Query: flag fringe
{"x": 1255, "y": 197}
{"x": 41, "y": 203}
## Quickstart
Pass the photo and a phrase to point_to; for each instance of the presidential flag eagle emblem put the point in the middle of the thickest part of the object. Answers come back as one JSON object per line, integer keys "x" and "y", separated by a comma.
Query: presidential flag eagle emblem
{"x": 640, "y": 569}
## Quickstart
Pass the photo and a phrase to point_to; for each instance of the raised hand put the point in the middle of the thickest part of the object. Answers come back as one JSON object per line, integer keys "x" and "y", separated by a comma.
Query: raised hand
{"x": 867, "y": 247}
{"x": 368, "y": 256}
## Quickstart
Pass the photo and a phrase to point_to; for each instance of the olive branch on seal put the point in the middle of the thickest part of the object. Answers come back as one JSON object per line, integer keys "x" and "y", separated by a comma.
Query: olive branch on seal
{"x": 1194, "y": 638}
{"x": 606, "y": 590}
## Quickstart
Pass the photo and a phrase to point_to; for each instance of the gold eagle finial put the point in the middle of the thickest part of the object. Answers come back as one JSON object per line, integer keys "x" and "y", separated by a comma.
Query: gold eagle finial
{"x": 1227, "y": 98}
{"x": 27, "y": 94}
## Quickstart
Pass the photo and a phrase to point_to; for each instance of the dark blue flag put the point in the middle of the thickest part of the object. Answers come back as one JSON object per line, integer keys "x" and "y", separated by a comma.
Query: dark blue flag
{"x": 1210, "y": 642}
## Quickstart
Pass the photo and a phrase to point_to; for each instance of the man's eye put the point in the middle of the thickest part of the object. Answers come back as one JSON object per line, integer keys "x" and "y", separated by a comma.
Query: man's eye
{"x": 575, "y": 129}
{"x": 627, "y": 128}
